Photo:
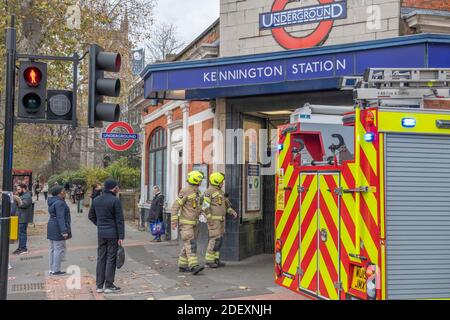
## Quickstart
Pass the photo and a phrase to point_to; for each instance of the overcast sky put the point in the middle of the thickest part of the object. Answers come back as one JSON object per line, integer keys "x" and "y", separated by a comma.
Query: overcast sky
{"x": 191, "y": 17}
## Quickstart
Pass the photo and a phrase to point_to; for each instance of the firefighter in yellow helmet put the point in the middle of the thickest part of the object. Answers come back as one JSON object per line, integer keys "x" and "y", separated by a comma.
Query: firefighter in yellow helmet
{"x": 216, "y": 205}
{"x": 185, "y": 214}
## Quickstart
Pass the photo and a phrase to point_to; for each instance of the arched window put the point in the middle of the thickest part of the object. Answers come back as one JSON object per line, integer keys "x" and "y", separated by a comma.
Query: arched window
{"x": 157, "y": 164}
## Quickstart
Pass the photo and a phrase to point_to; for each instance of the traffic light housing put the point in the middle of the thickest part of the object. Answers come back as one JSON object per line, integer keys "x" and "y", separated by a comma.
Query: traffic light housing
{"x": 100, "y": 87}
{"x": 59, "y": 105}
{"x": 32, "y": 89}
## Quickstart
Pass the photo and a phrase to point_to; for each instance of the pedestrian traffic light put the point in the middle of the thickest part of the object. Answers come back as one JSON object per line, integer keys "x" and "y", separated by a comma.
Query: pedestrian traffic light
{"x": 32, "y": 89}
{"x": 59, "y": 105}
{"x": 100, "y": 87}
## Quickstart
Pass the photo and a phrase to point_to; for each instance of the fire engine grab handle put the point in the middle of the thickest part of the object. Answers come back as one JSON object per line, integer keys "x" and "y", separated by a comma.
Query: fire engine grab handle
{"x": 357, "y": 256}
{"x": 329, "y": 162}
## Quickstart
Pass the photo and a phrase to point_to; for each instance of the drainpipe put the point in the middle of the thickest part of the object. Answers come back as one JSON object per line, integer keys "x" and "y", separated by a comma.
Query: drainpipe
{"x": 186, "y": 141}
{"x": 358, "y": 141}
{"x": 143, "y": 165}
{"x": 169, "y": 116}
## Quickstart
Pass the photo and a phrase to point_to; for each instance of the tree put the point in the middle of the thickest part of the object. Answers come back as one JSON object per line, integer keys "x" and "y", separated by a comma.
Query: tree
{"x": 42, "y": 28}
{"x": 164, "y": 42}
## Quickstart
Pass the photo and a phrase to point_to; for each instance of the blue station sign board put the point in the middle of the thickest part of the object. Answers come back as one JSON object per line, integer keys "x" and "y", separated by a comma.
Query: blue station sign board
{"x": 297, "y": 65}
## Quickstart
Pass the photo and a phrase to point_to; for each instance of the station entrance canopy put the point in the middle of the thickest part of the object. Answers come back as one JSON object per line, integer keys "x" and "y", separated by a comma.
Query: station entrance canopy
{"x": 302, "y": 70}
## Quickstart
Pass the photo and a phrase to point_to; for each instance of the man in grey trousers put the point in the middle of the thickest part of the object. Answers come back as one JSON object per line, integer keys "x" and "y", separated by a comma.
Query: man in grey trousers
{"x": 58, "y": 229}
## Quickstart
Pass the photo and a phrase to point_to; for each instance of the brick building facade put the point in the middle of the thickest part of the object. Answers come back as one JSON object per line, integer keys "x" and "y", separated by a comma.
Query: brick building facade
{"x": 270, "y": 61}
{"x": 173, "y": 119}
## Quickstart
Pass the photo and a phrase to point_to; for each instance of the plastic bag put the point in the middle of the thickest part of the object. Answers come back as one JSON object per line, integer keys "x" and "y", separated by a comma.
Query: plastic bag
{"x": 157, "y": 228}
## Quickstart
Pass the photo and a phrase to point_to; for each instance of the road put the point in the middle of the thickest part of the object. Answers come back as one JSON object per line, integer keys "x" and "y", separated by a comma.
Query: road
{"x": 150, "y": 271}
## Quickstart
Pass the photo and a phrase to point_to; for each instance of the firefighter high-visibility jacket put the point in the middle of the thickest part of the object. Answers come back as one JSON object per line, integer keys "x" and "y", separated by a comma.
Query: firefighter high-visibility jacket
{"x": 187, "y": 206}
{"x": 216, "y": 205}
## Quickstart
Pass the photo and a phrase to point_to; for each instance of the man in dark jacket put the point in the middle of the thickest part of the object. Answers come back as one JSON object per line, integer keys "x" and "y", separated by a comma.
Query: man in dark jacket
{"x": 58, "y": 228}
{"x": 156, "y": 209}
{"x": 106, "y": 213}
{"x": 25, "y": 212}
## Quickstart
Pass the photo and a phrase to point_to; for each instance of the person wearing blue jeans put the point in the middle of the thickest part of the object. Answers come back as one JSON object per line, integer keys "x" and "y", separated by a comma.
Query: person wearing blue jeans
{"x": 23, "y": 227}
{"x": 25, "y": 211}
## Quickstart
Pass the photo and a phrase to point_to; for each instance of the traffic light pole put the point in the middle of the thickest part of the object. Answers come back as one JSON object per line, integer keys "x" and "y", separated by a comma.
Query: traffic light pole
{"x": 7, "y": 157}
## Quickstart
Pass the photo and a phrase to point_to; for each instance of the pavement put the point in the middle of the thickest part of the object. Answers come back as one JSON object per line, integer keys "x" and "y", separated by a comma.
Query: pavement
{"x": 150, "y": 271}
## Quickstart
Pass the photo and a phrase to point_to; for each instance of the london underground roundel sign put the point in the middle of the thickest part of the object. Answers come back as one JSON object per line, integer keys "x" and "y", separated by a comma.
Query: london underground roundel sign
{"x": 109, "y": 135}
{"x": 324, "y": 14}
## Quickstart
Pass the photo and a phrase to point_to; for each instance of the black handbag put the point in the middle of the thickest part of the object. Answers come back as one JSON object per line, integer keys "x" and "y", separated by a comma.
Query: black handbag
{"x": 120, "y": 259}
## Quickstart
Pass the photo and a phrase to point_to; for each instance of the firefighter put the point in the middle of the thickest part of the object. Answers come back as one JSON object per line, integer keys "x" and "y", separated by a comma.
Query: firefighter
{"x": 216, "y": 205}
{"x": 186, "y": 211}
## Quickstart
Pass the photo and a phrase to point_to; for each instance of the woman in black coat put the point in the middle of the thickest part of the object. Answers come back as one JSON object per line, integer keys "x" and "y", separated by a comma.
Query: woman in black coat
{"x": 156, "y": 209}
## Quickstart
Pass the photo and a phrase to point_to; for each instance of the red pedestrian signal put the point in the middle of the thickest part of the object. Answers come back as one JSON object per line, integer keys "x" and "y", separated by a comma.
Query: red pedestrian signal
{"x": 32, "y": 89}
{"x": 32, "y": 76}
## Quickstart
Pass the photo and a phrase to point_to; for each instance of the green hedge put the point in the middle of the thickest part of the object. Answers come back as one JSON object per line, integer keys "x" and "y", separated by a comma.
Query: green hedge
{"x": 128, "y": 178}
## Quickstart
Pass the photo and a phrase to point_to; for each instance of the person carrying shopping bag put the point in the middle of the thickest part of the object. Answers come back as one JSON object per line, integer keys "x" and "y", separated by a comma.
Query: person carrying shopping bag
{"x": 155, "y": 217}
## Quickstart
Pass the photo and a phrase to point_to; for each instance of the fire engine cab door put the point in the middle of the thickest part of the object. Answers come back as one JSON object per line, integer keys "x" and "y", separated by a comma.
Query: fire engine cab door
{"x": 328, "y": 237}
{"x": 319, "y": 234}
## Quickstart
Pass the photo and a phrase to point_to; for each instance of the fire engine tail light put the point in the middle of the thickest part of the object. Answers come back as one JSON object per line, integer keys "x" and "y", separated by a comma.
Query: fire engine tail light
{"x": 278, "y": 245}
{"x": 371, "y": 282}
{"x": 278, "y": 257}
{"x": 278, "y": 268}
{"x": 370, "y": 118}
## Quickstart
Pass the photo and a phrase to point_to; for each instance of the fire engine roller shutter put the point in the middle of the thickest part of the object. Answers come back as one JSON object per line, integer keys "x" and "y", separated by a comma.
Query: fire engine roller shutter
{"x": 417, "y": 216}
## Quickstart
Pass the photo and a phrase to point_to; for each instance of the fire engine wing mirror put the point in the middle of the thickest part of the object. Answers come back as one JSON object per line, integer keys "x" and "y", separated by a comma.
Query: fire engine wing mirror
{"x": 335, "y": 147}
{"x": 300, "y": 148}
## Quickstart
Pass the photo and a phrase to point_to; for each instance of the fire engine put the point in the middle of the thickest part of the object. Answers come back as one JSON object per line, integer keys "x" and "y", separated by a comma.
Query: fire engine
{"x": 363, "y": 198}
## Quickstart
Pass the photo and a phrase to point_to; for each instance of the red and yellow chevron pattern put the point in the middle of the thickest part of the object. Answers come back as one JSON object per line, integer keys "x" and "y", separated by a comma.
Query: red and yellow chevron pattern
{"x": 321, "y": 226}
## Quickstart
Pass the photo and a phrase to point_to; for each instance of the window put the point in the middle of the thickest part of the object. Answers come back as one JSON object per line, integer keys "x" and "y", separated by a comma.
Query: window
{"x": 326, "y": 131}
{"x": 157, "y": 165}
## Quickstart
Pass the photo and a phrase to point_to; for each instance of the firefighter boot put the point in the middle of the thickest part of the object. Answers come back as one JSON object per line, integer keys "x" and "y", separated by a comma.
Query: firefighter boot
{"x": 197, "y": 269}
{"x": 220, "y": 263}
{"x": 212, "y": 265}
{"x": 184, "y": 269}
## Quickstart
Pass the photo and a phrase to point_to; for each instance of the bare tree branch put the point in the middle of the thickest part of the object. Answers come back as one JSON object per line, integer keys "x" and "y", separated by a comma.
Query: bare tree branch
{"x": 164, "y": 42}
